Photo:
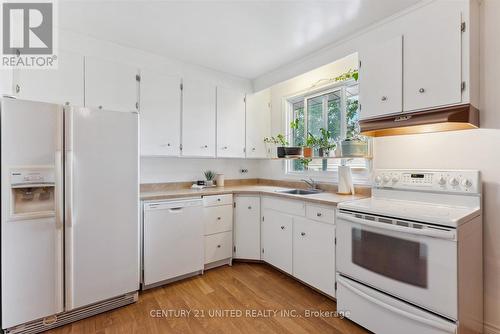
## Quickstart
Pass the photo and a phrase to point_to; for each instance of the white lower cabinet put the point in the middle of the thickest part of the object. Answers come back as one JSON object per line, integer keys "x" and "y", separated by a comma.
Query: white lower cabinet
{"x": 277, "y": 239}
{"x": 218, "y": 220}
{"x": 218, "y": 247}
{"x": 314, "y": 254}
{"x": 299, "y": 238}
{"x": 247, "y": 227}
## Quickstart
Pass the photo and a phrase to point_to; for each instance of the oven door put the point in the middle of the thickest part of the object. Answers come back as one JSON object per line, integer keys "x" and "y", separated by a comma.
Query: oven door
{"x": 413, "y": 261}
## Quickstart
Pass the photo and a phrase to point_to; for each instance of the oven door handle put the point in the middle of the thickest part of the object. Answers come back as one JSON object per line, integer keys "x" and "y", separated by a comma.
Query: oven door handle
{"x": 444, "y": 234}
{"x": 448, "y": 328}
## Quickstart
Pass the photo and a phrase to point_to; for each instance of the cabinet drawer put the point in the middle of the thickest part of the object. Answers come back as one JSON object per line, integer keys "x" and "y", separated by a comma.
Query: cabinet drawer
{"x": 215, "y": 200}
{"x": 218, "y": 219}
{"x": 320, "y": 213}
{"x": 291, "y": 207}
{"x": 218, "y": 246}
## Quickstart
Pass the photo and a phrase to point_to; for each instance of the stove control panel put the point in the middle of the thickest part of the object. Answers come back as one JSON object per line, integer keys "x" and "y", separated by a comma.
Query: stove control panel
{"x": 462, "y": 181}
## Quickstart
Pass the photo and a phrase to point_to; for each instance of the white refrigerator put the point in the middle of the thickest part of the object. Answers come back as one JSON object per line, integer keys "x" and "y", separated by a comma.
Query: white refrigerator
{"x": 69, "y": 213}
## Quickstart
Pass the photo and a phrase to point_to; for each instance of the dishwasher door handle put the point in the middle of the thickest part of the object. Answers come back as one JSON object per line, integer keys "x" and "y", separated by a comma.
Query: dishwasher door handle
{"x": 178, "y": 209}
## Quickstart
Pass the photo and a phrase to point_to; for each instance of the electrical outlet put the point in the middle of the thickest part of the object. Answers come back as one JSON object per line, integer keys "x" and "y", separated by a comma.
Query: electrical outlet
{"x": 243, "y": 171}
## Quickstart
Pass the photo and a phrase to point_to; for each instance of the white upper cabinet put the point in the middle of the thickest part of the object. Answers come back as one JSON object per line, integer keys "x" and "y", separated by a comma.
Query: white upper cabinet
{"x": 433, "y": 57}
{"x": 247, "y": 227}
{"x": 258, "y": 123}
{"x": 230, "y": 123}
{"x": 160, "y": 108}
{"x": 198, "y": 118}
{"x": 110, "y": 85}
{"x": 433, "y": 63}
{"x": 62, "y": 85}
{"x": 381, "y": 78}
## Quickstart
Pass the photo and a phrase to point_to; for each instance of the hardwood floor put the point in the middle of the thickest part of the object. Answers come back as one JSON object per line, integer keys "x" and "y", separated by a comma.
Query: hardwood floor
{"x": 252, "y": 291}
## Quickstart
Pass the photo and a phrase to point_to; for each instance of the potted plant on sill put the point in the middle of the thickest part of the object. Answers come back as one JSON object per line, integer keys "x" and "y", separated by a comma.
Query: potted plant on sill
{"x": 307, "y": 150}
{"x": 325, "y": 143}
{"x": 280, "y": 150}
{"x": 356, "y": 146}
{"x": 271, "y": 144}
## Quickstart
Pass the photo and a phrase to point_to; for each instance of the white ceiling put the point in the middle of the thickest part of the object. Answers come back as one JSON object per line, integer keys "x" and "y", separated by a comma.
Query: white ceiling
{"x": 243, "y": 38}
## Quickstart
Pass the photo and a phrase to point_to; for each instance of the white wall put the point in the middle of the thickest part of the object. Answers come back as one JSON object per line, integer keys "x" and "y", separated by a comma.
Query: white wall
{"x": 159, "y": 170}
{"x": 475, "y": 149}
{"x": 300, "y": 84}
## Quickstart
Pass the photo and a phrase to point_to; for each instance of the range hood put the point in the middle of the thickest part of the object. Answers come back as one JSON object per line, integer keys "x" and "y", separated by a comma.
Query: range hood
{"x": 459, "y": 117}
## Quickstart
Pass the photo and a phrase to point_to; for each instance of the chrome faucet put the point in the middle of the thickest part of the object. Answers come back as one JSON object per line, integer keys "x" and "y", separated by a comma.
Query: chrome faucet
{"x": 311, "y": 183}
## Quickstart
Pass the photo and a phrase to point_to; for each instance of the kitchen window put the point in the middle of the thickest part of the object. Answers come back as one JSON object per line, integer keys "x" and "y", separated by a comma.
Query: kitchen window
{"x": 334, "y": 108}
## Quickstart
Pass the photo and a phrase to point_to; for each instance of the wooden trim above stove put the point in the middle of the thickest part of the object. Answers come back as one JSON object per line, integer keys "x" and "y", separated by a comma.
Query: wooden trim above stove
{"x": 458, "y": 117}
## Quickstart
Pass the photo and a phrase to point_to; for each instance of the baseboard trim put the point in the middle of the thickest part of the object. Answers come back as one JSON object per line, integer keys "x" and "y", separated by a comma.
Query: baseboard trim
{"x": 491, "y": 329}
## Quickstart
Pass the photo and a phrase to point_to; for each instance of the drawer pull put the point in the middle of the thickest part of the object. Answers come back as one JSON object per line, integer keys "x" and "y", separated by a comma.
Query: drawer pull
{"x": 218, "y": 199}
{"x": 282, "y": 227}
{"x": 319, "y": 214}
{"x": 302, "y": 233}
{"x": 218, "y": 246}
{"x": 249, "y": 208}
{"x": 218, "y": 218}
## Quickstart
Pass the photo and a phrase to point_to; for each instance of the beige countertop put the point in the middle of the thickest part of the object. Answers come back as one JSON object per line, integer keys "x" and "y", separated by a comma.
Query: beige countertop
{"x": 329, "y": 198}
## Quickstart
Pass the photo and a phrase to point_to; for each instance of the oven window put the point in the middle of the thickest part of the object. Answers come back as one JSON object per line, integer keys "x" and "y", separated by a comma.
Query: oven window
{"x": 399, "y": 259}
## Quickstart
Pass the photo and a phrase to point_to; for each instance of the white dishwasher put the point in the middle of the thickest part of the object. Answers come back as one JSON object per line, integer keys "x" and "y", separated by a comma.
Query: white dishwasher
{"x": 173, "y": 239}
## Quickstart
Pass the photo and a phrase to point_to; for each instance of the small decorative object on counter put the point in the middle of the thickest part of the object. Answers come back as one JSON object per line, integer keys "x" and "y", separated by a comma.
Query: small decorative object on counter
{"x": 219, "y": 180}
{"x": 210, "y": 176}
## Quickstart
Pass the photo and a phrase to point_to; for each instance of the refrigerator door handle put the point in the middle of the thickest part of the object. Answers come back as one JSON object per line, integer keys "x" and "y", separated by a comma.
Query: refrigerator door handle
{"x": 68, "y": 205}
{"x": 58, "y": 190}
{"x": 69, "y": 189}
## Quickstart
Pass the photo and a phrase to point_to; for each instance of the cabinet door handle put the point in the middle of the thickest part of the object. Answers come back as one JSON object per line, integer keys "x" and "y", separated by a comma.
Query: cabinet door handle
{"x": 100, "y": 107}
{"x": 204, "y": 146}
{"x": 218, "y": 199}
{"x": 218, "y": 218}
{"x": 18, "y": 88}
{"x": 253, "y": 149}
{"x": 302, "y": 233}
{"x": 384, "y": 98}
{"x": 319, "y": 214}
{"x": 224, "y": 147}
{"x": 249, "y": 208}
{"x": 282, "y": 227}
{"x": 218, "y": 246}
{"x": 421, "y": 90}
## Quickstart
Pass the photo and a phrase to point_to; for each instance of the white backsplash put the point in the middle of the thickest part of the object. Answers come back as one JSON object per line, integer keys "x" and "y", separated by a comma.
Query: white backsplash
{"x": 161, "y": 169}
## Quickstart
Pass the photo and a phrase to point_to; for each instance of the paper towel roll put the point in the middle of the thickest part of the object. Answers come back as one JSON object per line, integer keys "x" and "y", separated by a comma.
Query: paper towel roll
{"x": 346, "y": 185}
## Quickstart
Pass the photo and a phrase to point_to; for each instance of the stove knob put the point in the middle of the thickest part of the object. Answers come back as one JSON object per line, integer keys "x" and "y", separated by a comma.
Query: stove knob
{"x": 386, "y": 178}
{"x": 395, "y": 178}
{"x": 378, "y": 179}
{"x": 442, "y": 181}
{"x": 466, "y": 183}
{"x": 454, "y": 181}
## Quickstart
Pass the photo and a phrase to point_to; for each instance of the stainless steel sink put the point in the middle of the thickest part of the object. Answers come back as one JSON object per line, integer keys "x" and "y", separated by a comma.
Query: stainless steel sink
{"x": 300, "y": 191}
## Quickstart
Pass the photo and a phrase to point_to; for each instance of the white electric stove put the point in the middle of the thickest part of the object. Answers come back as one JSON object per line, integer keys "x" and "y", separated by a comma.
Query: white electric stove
{"x": 409, "y": 259}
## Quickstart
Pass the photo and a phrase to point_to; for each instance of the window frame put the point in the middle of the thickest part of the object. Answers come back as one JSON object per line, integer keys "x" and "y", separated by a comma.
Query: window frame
{"x": 361, "y": 174}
